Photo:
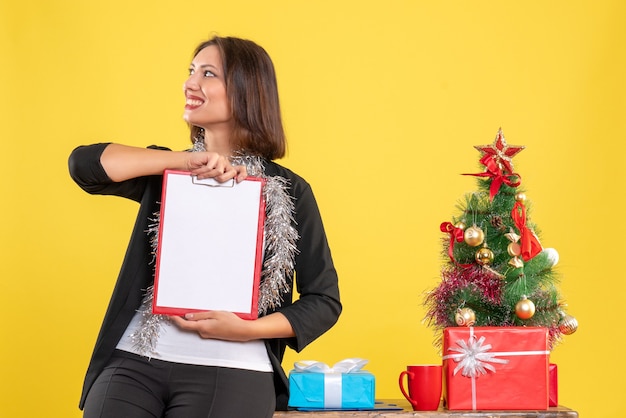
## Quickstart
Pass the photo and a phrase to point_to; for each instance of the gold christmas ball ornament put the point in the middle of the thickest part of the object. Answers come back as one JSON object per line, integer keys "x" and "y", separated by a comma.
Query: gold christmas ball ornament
{"x": 465, "y": 317}
{"x": 520, "y": 197}
{"x": 568, "y": 324}
{"x": 484, "y": 256}
{"x": 525, "y": 308}
{"x": 474, "y": 236}
{"x": 460, "y": 225}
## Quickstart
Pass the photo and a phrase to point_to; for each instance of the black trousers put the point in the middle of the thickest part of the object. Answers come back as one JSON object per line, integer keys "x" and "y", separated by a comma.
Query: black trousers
{"x": 132, "y": 386}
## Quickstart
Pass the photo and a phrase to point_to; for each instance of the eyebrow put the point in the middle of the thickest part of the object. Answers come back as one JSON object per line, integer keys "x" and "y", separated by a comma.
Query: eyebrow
{"x": 204, "y": 66}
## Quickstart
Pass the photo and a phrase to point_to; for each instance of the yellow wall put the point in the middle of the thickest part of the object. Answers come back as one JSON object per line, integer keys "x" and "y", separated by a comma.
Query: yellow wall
{"x": 383, "y": 102}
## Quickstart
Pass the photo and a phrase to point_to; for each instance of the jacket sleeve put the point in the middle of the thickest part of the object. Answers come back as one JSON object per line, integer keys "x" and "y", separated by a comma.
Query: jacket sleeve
{"x": 86, "y": 170}
{"x": 318, "y": 307}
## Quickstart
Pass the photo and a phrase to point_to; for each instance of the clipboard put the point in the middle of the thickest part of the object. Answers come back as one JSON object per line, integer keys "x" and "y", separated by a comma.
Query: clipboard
{"x": 210, "y": 245}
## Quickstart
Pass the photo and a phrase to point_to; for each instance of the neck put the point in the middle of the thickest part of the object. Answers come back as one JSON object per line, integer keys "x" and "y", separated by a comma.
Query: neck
{"x": 219, "y": 141}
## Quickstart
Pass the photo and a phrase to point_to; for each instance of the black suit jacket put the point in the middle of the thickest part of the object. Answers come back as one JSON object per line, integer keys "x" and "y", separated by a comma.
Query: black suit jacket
{"x": 316, "y": 310}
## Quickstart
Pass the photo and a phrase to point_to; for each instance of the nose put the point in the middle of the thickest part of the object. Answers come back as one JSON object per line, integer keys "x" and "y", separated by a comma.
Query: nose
{"x": 191, "y": 83}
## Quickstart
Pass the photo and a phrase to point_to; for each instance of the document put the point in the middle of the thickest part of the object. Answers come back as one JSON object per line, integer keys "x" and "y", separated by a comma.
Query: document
{"x": 210, "y": 245}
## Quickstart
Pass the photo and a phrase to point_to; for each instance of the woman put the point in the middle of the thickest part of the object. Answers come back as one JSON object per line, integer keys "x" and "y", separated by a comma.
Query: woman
{"x": 210, "y": 364}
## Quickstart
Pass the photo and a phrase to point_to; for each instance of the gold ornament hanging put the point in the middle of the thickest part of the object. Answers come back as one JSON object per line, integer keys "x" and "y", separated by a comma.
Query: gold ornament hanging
{"x": 525, "y": 308}
{"x": 465, "y": 317}
{"x": 520, "y": 197}
{"x": 512, "y": 236}
{"x": 474, "y": 236}
{"x": 484, "y": 256}
{"x": 514, "y": 249}
{"x": 461, "y": 225}
{"x": 568, "y": 324}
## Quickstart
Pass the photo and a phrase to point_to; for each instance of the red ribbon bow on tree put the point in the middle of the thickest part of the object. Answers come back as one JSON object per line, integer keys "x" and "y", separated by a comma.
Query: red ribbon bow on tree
{"x": 497, "y": 175}
{"x": 528, "y": 241}
{"x": 497, "y": 158}
{"x": 456, "y": 234}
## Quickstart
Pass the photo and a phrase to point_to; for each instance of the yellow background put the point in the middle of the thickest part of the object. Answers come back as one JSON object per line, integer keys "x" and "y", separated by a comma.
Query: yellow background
{"x": 383, "y": 103}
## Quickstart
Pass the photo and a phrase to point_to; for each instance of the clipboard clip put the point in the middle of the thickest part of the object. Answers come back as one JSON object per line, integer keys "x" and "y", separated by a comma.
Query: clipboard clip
{"x": 212, "y": 182}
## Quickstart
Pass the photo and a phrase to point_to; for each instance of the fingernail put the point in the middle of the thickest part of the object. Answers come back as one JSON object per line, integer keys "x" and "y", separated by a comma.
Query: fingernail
{"x": 188, "y": 315}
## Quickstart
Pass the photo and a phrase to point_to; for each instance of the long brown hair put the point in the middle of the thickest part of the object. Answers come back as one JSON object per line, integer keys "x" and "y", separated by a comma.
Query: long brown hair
{"x": 252, "y": 90}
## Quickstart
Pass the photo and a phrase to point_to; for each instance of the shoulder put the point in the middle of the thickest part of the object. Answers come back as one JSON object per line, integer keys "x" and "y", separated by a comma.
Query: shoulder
{"x": 297, "y": 183}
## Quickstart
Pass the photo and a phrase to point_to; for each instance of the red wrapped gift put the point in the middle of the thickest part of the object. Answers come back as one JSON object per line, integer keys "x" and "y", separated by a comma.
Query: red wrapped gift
{"x": 495, "y": 368}
{"x": 553, "y": 385}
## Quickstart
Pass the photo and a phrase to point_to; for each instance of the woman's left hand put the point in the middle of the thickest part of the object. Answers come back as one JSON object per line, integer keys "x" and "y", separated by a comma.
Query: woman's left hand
{"x": 222, "y": 325}
{"x": 219, "y": 325}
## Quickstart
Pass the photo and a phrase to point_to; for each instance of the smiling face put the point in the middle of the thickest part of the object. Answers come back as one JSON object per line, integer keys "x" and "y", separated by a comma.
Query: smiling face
{"x": 207, "y": 103}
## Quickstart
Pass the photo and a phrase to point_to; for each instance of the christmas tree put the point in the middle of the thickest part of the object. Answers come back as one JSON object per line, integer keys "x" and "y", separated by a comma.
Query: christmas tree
{"x": 496, "y": 271}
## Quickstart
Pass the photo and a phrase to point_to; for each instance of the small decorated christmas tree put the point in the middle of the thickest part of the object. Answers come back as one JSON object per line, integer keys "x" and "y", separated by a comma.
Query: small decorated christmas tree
{"x": 496, "y": 272}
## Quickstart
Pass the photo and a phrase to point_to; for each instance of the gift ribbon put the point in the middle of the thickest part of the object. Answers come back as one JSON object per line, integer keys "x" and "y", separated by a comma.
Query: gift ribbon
{"x": 474, "y": 358}
{"x": 497, "y": 176}
{"x": 332, "y": 376}
{"x": 528, "y": 241}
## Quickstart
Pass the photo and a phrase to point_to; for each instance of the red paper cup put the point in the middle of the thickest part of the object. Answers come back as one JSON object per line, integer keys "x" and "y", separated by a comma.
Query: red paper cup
{"x": 424, "y": 381}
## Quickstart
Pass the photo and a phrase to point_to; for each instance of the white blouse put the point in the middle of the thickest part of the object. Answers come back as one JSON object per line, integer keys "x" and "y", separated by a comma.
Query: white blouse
{"x": 188, "y": 347}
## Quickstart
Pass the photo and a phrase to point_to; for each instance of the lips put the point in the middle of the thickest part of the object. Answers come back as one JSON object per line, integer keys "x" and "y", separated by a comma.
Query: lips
{"x": 193, "y": 102}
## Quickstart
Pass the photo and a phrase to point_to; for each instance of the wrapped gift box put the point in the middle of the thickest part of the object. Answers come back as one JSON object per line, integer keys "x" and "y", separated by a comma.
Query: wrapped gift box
{"x": 553, "y": 385}
{"x": 314, "y": 387}
{"x": 495, "y": 368}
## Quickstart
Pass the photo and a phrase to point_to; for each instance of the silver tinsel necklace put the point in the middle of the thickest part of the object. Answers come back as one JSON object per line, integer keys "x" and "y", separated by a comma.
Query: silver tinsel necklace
{"x": 280, "y": 249}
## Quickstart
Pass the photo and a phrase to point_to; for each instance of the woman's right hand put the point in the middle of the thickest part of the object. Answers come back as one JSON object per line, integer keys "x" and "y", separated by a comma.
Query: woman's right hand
{"x": 213, "y": 165}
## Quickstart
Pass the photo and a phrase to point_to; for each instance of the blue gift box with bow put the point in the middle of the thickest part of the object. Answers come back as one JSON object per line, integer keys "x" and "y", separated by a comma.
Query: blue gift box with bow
{"x": 315, "y": 385}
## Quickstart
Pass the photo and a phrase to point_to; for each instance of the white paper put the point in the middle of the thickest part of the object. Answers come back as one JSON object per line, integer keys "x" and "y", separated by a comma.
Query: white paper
{"x": 207, "y": 256}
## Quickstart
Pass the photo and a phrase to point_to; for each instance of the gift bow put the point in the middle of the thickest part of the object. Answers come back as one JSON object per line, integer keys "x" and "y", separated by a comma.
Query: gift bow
{"x": 348, "y": 365}
{"x": 332, "y": 376}
{"x": 474, "y": 357}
